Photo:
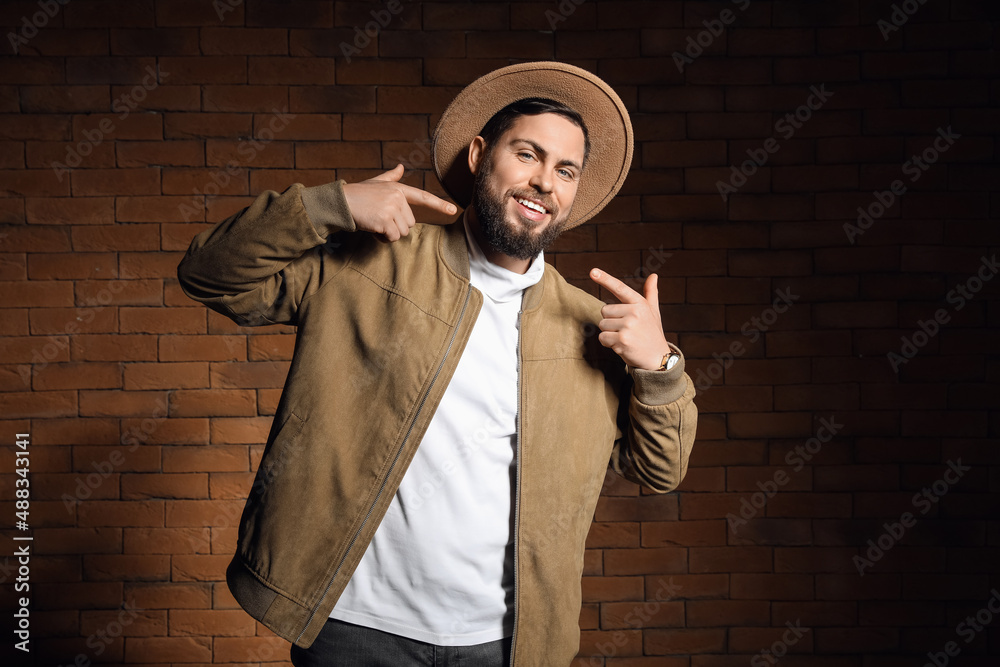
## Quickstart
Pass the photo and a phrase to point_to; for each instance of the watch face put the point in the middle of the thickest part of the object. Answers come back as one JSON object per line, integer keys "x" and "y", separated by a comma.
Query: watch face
{"x": 672, "y": 361}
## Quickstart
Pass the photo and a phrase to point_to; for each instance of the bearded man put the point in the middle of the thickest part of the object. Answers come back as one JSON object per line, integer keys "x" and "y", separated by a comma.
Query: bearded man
{"x": 453, "y": 403}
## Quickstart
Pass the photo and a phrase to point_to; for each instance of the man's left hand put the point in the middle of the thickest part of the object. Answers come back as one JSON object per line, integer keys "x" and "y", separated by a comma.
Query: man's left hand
{"x": 632, "y": 328}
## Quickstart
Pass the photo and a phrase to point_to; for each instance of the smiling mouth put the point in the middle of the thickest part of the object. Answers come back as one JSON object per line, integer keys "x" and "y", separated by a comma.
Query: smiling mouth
{"x": 531, "y": 209}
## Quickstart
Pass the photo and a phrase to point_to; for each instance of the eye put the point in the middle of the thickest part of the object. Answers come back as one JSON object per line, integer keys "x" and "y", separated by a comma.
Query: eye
{"x": 566, "y": 173}
{"x": 526, "y": 155}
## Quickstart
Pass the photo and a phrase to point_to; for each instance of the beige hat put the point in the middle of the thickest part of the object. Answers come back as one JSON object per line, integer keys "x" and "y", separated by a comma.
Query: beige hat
{"x": 607, "y": 120}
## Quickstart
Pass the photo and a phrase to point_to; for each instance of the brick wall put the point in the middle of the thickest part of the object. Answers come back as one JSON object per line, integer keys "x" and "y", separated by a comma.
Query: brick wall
{"x": 833, "y": 297}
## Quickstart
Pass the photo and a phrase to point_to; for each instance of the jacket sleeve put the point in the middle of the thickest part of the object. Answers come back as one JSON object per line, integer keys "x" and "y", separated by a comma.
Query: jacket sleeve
{"x": 657, "y": 420}
{"x": 258, "y": 265}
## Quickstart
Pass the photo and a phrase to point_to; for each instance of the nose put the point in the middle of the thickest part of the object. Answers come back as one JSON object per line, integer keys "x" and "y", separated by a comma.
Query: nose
{"x": 541, "y": 180}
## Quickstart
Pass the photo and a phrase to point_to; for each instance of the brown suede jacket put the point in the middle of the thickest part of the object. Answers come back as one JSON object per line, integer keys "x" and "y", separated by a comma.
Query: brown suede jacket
{"x": 380, "y": 329}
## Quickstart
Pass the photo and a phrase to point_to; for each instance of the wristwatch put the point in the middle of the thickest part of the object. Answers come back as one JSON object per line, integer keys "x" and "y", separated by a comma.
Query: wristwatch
{"x": 669, "y": 360}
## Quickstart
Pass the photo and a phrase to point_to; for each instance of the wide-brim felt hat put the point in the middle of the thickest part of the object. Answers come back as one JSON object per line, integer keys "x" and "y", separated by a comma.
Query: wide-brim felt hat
{"x": 608, "y": 126}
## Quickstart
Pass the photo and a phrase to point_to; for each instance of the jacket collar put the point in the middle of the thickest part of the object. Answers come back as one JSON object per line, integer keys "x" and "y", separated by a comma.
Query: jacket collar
{"x": 455, "y": 252}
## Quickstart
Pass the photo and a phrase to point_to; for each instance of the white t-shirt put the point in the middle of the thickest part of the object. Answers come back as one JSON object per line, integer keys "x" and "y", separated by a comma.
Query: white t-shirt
{"x": 440, "y": 566}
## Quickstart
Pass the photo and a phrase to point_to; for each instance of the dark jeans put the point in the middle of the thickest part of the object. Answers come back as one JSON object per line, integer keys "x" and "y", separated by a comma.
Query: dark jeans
{"x": 341, "y": 644}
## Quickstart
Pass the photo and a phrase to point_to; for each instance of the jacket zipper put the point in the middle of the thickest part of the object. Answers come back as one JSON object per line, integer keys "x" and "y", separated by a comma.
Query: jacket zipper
{"x": 392, "y": 465}
{"x": 517, "y": 476}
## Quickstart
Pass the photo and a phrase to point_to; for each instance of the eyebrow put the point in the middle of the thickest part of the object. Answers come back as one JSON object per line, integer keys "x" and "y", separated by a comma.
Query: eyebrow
{"x": 541, "y": 151}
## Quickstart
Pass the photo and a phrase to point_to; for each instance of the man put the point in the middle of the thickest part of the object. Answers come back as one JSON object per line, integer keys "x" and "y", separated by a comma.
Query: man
{"x": 448, "y": 417}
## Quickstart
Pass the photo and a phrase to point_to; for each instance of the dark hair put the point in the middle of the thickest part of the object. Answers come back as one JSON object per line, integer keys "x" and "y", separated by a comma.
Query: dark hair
{"x": 504, "y": 119}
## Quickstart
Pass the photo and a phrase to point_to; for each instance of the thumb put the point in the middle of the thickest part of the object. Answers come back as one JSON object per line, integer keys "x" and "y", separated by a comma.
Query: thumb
{"x": 393, "y": 174}
{"x": 651, "y": 293}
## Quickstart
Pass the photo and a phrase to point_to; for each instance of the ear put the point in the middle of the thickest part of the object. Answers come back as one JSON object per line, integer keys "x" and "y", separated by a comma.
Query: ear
{"x": 476, "y": 148}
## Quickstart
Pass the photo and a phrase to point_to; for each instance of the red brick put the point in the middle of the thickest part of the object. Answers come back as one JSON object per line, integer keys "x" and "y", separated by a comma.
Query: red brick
{"x": 165, "y": 540}
{"x": 179, "y": 375}
{"x": 215, "y": 623}
{"x": 139, "y": 487}
{"x": 78, "y": 375}
{"x": 138, "y": 568}
{"x": 277, "y": 347}
{"x": 684, "y": 533}
{"x": 38, "y": 404}
{"x": 76, "y": 210}
{"x": 107, "y": 127}
{"x": 338, "y": 99}
{"x": 243, "y": 98}
{"x": 385, "y": 71}
{"x": 106, "y": 403}
{"x": 161, "y": 98}
{"x": 644, "y": 561}
{"x": 338, "y": 154}
{"x": 201, "y": 125}
{"x": 199, "y": 568}
{"x": 240, "y": 431}
{"x": 173, "y": 595}
{"x": 223, "y": 458}
{"x": 663, "y": 641}
{"x": 98, "y": 295}
{"x": 172, "y": 649}
{"x": 34, "y": 349}
{"x": 230, "y": 485}
{"x": 102, "y": 513}
{"x": 203, "y": 348}
{"x": 161, "y": 431}
{"x": 162, "y": 153}
{"x": 285, "y": 70}
{"x": 602, "y": 589}
{"x": 133, "y": 622}
{"x": 149, "y": 264}
{"x": 64, "y": 99}
{"x": 229, "y": 180}
{"x": 110, "y": 347}
{"x": 243, "y": 41}
{"x": 161, "y": 320}
{"x": 116, "y": 237}
{"x": 205, "y": 69}
{"x": 13, "y": 267}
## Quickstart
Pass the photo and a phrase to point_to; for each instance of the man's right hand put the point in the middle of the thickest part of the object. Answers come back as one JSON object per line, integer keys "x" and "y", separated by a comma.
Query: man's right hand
{"x": 381, "y": 205}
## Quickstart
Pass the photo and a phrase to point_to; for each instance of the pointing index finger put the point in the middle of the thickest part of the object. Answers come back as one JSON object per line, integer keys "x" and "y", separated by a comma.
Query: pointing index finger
{"x": 622, "y": 292}
{"x": 423, "y": 198}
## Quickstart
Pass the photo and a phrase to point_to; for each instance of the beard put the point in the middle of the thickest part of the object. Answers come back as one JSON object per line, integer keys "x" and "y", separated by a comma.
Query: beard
{"x": 512, "y": 238}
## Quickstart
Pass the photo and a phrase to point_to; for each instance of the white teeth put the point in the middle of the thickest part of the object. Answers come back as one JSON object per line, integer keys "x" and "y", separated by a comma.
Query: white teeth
{"x": 532, "y": 205}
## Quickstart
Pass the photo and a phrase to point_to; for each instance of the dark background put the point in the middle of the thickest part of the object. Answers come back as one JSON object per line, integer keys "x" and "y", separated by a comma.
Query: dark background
{"x": 148, "y": 413}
